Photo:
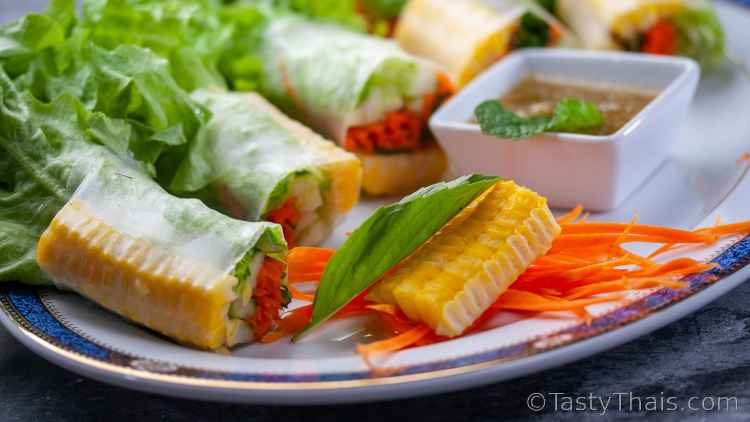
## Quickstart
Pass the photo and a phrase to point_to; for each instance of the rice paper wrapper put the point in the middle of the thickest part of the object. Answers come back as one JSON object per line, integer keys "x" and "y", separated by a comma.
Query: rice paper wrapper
{"x": 135, "y": 205}
{"x": 253, "y": 156}
{"x": 332, "y": 78}
{"x": 481, "y": 32}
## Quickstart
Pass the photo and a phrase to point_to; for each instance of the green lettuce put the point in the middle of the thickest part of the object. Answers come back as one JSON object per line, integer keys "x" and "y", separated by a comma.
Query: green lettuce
{"x": 391, "y": 234}
{"x": 155, "y": 119}
{"x": 45, "y": 152}
{"x": 341, "y": 12}
{"x": 207, "y": 43}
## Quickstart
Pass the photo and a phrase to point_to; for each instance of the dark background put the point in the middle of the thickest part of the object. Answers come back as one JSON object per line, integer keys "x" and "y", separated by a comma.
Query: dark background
{"x": 704, "y": 355}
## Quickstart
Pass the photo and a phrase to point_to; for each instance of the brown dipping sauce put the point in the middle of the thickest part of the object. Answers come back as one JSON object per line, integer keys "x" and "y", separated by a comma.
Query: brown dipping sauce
{"x": 534, "y": 96}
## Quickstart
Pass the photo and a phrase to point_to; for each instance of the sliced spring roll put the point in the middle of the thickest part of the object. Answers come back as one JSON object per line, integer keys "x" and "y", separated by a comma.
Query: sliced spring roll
{"x": 467, "y": 36}
{"x": 170, "y": 264}
{"x": 684, "y": 27}
{"x": 362, "y": 91}
{"x": 460, "y": 271}
{"x": 268, "y": 166}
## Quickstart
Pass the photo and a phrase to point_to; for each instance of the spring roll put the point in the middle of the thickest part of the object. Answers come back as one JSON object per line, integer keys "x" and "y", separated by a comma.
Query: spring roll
{"x": 682, "y": 27}
{"x": 364, "y": 92}
{"x": 269, "y": 167}
{"x": 170, "y": 264}
{"x": 467, "y": 36}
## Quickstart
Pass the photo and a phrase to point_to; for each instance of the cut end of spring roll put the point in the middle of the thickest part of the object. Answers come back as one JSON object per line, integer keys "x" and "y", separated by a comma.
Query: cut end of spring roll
{"x": 178, "y": 297}
{"x": 457, "y": 274}
{"x": 273, "y": 168}
{"x": 467, "y": 36}
{"x": 343, "y": 169}
{"x": 601, "y": 24}
{"x": 169, "y": 264}
{"x": 667, "y": 27}
{"x": 365, "y": 92}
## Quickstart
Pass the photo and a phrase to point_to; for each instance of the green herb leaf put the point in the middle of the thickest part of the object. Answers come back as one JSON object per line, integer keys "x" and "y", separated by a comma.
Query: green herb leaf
{"x": 391, "y": 234}
{"x": 569, "y": 115}
{"x": 574, "y": 116}
{"x": 700, "y": 36}
{"x": 496, "y": 120}
{"x": 533, "y": 32}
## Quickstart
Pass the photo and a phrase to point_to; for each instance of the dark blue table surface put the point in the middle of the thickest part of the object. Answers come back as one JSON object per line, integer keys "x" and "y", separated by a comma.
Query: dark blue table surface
{"x": 704, "y": 355}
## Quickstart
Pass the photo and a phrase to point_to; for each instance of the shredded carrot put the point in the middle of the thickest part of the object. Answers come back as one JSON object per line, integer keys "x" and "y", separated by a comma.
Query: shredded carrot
{"x": 393, "y": 344}
{"x": 287, "y": 217}
{"x": 585, "y": 266}
{"x": 571, "y": 216}
{"x": 267, "y": 297}
{"x": 400, "y": 130}
{"x": 661, "y": 38}
{"x": 307, "y": 263}
{"x": 641, "y": 229}
{"x": 727, "y": 229}
{"x": 292, "y": 322}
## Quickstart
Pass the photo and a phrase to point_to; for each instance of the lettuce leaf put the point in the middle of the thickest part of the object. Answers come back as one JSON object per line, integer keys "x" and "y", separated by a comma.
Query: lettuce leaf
{"x": 391, "y": 234}
{"x": 62, "y": 101}
{"x": 44, "y": 154}
{"x": 154, "y": 118}
{"x": 341, "y": 12}
{"x": 208, "y": 44}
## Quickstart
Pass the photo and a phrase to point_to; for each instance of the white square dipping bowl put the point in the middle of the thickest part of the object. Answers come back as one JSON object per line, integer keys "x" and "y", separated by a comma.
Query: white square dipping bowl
{"x": 596, "y": 171}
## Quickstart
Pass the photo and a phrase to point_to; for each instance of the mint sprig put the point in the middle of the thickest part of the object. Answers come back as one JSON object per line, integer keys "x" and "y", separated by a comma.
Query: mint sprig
{"x": 569, "y": 115}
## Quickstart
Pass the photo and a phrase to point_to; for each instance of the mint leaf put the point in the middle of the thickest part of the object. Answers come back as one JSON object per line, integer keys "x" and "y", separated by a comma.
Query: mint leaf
{"x": 496, "y": 120}
{"x": 569, "y": 115}
{"x": 572, "y": 115}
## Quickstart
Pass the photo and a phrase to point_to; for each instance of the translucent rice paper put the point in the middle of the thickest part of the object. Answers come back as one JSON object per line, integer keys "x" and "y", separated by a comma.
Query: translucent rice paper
{"x": 332, "y": 78}
{"x": 254, "y": 150}
{"x": 134, "y": 204}
{"x": 466, "y": 36}
{"x": 595, "y": 21}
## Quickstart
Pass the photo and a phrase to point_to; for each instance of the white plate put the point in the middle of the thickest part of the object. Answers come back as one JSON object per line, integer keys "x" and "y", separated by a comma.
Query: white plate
{"x": 702, "y": 179}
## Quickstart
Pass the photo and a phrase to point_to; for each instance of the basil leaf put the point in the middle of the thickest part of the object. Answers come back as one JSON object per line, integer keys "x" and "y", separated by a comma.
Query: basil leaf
{"x": 569, "y": 115}
{"x": 391, "y": 234}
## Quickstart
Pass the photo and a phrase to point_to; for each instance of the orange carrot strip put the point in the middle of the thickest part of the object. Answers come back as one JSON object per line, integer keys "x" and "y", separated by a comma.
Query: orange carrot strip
{"x": 393, "y": 344}
{"x": 571, "y": 241}
{"x": 571, "y": 215}
{"x": 287, "y": 216}
{"x": 728, "y": 229}
{"x": 620, "y": 285}
{"x": 307, "y": 263}
{"x": 680, "y": 236}
{"x": 526, "y": 301}
{"x": 290, "y": 323}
